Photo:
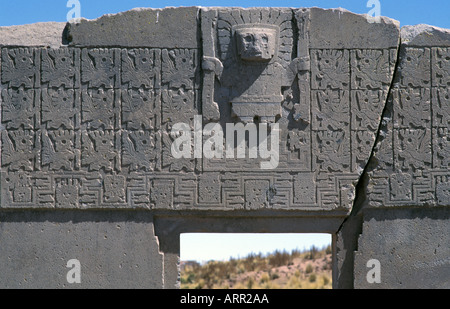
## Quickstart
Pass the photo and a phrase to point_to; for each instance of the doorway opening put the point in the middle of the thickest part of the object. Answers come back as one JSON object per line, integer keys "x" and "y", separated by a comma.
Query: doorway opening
{"x": 255, "y": 261}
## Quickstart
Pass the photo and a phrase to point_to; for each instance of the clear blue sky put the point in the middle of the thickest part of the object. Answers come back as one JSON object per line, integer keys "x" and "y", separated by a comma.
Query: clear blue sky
{"x": 209, "y": 246}
{"x": 408, "y": 12}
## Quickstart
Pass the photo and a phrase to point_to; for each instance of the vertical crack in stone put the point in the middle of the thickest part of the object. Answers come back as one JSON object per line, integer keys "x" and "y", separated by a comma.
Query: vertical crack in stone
{"x": 361, "y": 186}
{"x": 351, "y": 228}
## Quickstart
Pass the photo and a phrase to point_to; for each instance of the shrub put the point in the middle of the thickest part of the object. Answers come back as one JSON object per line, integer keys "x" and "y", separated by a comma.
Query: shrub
{"x": 200, "y": 285}
{"x": 279, "y": 259}
{"x": 190, "y": 278}
{"x": 250, "y": 283}
{"x": 313, "y": 253}
{"x": 294, "y": 283}
{"x": 274, "y": 276}
{"x": 264, "y": 278}
{"x": 326, "y": 280}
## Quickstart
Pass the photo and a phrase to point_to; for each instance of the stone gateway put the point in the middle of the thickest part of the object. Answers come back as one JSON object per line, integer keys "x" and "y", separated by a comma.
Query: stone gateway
{"x": 354, "y": 116}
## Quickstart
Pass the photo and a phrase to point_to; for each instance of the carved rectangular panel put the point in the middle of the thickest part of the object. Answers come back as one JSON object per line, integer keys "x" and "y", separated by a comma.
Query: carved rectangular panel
{"x": 61, "y": 108}
{"x": 415, "y": 68}
{"x": 61, "y": 68}
{"x": 305, "y": 189}
{"x": 67, "y": 192}
{"x": 366, "y": 108}
{"x": 60, "y": 150}
{"x": 441, "y": 107}
{"x": 256, "y": 193}
{"x": 362, "y": 142}
{"x": 330, "y": 110}
{"x": 21, "y": 108}
{"x": 161, "y": 193}
{"x": 141, "y": 151}
{"x": 20, "y": 150}
{"x": 441, "y": 67}
{"x": 441, "y": 148}
{"x": 414, "y": 149}
{"x": 138, "y": 191}
{"x": 331, "y": 150}
{"x": 100, "y": 109}
{"x": 21, "y": 67}
{"x": 209, "y": 189}
{"x": 141, "y": 109}
{"x": 100, "y": 67}
{"x": 412, "y": 108}
{"x": 330, "y": 69}
{"x": 370, "y": 69}
{"x": 141, "y": 68}
{"x": 17, "y": 189}
{"x": 179, "y": 68}
{"x": 100, "y": 150}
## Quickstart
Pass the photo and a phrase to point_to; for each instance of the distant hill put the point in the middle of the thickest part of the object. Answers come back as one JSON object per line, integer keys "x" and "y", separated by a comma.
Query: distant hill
{"x": 280, "y": 270}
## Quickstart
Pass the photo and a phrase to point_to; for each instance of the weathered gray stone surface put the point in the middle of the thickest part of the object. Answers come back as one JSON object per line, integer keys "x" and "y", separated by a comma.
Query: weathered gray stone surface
{"x": 116, "y": 250}
{"x": 342, "y": 29}
{"x": 425, "y": 35}
{"x": 412, "y": 246}
{"x": 86, "y": 131}
{"x": 140, "y": 27}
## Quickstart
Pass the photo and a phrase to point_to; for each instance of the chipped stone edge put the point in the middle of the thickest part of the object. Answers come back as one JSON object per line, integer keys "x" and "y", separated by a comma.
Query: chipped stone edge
{"x": 43, "y": 34}
{"x": 423, "y": 35}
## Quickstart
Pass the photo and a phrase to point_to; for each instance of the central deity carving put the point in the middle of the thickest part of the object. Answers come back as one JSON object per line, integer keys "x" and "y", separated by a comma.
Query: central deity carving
{"x": 257, "y": 90}
{"x": 250, "y": 69}
{"x": 256, "y": 43}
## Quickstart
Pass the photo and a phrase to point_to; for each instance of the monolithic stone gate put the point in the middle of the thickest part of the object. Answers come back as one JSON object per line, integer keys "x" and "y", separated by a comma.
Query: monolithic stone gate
{"x": 87, "y": 164}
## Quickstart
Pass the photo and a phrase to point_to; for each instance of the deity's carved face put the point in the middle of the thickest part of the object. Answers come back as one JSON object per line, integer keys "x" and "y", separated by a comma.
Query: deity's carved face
{"x": 256, "y": 43}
